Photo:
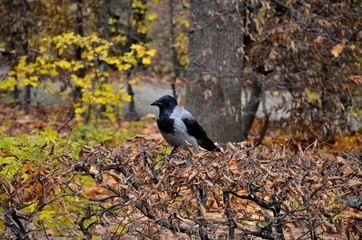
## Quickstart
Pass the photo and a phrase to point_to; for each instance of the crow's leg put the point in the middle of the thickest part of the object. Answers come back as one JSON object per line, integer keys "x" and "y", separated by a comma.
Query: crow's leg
{"x": 173, "y": 150}
{"x": 188, "y": 161}
{"x": 189, "y": 158}
{"x": 169, "y": 157}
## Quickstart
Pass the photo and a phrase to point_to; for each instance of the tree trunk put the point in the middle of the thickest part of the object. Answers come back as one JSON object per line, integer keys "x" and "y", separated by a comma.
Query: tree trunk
{"x": 105, "y": 35}
{"x": 250, "y": 109}
{"x": 77, "y": 94}
{"x": 15, "y": 36}
{"x": 131, "y": 114}
{"x": 77, "y": 91}
{"x": 176, "y": 64}
{"x": 213, "y": 89}
{"x": 27, "y": 89}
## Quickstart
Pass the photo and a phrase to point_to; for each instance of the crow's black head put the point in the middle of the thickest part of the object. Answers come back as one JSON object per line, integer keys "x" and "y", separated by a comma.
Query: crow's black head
{"x": 165, "y": 102}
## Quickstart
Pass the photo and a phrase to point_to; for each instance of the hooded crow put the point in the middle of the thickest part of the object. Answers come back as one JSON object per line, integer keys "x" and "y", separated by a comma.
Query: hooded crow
{"x": 178, "y": 126}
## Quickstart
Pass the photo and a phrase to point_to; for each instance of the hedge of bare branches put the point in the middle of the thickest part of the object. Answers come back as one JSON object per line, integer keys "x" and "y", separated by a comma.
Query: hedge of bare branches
{"x": 244, "y": 192}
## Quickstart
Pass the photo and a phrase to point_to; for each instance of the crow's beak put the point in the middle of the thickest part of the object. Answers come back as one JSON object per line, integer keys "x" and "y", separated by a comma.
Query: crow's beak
{"x": 156, "y": 103}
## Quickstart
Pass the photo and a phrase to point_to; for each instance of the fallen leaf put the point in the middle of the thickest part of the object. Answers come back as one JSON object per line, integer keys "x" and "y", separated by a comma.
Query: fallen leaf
{"x": 318, "y": 41}
{"x": 336, "y": 51}
{"x": 354, "y": 183}
{"x": 354, "y": 81}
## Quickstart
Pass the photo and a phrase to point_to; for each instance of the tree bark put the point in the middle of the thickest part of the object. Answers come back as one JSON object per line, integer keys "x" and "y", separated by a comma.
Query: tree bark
{"x": 131, "y": 114}
{"x": 176, "y": 64}
{"x": 77, "y": 91}
{"x": 27, "y": 89}
{"x": 250, "y": 109}
{"x": 77, "y": 94}
{"x": 105, "y": 35}
{"x": 213, "y": 89}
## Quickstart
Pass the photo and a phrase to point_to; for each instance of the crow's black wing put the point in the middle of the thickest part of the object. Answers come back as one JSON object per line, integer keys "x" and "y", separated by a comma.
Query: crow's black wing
{"x": 195, "y": 130}
{"x": 166, "y": 125}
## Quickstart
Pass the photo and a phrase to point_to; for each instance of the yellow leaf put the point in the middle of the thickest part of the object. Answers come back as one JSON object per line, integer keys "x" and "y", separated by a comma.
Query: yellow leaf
{"x": 64, "y": 64}
{"x": 141, "y": 50}
{"x": 126, "y": 97}
{"x": 8, "y": 84}
{"x": 151, "y": 52}
{"x": 29, "y": 81}
{"x": 83, "y": 55}
{"x": 46, "y": 215}
{"x": 54, "y": 72}
{"x": 97, "y": 237}
{"x": 51, "y": 89}
{"x": 122, "y": 67}
{"x": 146, "y": 60}
{"x": 77, "y": 66}
{"x": 100, "y": 48}
{"x": 106, "y": 74}
{"x": 30, "y": 208}
{"x": 313, "y": 97}
{"x": 22, "y": 62}
{"x": 134, "y": 80}
{"x": 186, "y": 23}
{"x": 336, "y": 51}
{"x": 34, "y": 78}
{"x": 90, "y": 55}
{"x": 43, "y": 71}
{"x": 42, "y": 49}
{"x": 74, "y": 77}
{"x": 112, "y": 21}
{"x": 152, "y": 16}
{"x": 20, "y": 74}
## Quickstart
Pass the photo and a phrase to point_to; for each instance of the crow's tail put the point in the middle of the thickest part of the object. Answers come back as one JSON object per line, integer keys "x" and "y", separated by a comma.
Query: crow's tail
{"x": 208, "y": 145}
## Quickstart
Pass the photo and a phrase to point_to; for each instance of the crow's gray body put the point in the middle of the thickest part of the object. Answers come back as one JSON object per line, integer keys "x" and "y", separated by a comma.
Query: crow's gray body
{"x": 180, "y": 137}
{"x": 179, "y": 127}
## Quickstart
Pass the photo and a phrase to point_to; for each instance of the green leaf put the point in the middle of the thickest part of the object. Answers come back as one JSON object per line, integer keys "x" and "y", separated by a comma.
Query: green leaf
{"x": 7, "y": 142}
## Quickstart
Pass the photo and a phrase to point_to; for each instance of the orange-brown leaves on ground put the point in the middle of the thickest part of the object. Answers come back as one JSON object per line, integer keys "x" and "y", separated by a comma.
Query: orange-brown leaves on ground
{"x": 318, "y": 41}
{"x": 351, "y": 213}
{"x": 97, "y": 191}
{"x": 337, "y": 50}
{"x": 233, "y": 166}
{"x": 354, "y": 81}
{"x": 27, "y": 168}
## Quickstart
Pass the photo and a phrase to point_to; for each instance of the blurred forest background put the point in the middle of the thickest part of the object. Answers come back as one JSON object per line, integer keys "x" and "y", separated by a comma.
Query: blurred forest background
{"x": 277, "y": 83}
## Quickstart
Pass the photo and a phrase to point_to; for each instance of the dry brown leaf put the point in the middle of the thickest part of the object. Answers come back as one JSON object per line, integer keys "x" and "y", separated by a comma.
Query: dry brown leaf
{"x": 336, "y": 50}
{"x": 232, "y": 166}
{"x": 351, "y": 213}
{"x": 355, "y": 184}
{"x": 341, "y": 160}
{"x": 354, "y": 81}
{"x": 93, "y": 170}
{"x": 193, "y": 175}
{"x": 318, "y": 41}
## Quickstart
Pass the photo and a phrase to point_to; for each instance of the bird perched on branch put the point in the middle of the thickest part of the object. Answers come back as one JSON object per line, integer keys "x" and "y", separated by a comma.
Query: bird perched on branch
{"x": 179, "y": 127}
